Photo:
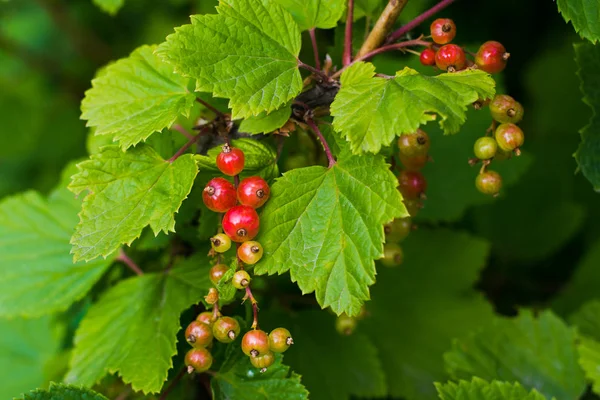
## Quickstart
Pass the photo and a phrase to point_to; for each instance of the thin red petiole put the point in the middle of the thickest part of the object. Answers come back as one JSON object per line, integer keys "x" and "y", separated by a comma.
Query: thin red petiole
{"x": 315, "y": 46}
{"x": 418, "y": 20}
{"x": 347, "y": 56}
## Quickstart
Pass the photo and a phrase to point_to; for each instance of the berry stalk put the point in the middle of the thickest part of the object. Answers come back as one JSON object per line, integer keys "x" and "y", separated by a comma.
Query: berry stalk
{"x": 254, "y": 307}
{"x": 189, "y": 144}
{"x": 317, "y": 132}
{"x": 383, "y": 25}
{"x": 208, "y": 106}
{"x": 125, "y": 259}
{"x": 418, "y": 20}
{"x": 315, "y": 46}
{"x": 347, "y": 56}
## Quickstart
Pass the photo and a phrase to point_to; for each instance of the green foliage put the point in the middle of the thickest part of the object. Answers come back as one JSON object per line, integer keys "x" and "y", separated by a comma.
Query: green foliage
{"x": 110, "y": 6}
{"x": 370, "y": 111}
{"x": 478, "y": 389}
{"x": 247, "y": 53}
{"x": 315, "y": 13}
{"x": 587, "y": 320}
{"x": 126, "y": 192}
{"x": 584, "y": 15}
{"x": 131, "y": 329}
{"x": 63, "y": 392}
{"x": 265, "y": 123}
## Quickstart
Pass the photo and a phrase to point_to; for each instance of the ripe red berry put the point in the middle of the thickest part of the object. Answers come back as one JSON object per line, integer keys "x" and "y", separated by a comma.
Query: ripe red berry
{"x": 443, "y": 30}
{"x": 415, "y": 163}
{"x": 205, "y": 317}
{"x": 398, "y": 229}
{"x": 491, "y": 57}
{"x": 412, "y": 184}
{"x": 451, "y": 58}
{"x": 489, "y": 182}
{"x": 198, "y": 360}
{"x": 509, "y": 137}
{"x": 280, "y": 340}
{"x": 226, "y": 329}
{"x": 250, "y": 252}
{"x": 198, "y": 334}
{"x": 255, "y": 343}
{"x": 253, "y": 191}
{"x": 216, "y": 272}
{"x": 263, "y": 362}
{"x": 241, "y": 223}
{"x": 241, "y": 279}
{"x": 230, "y": 161}
{"x": 414, "y": 144}
{"x": 506, "y": 109}
{"x": 427, "y": 57}
{"x": 220, "y": 243}
{"x": 219, "y": 195}
{"x": 392, "y": 255}
{"x": 485, "y": 148}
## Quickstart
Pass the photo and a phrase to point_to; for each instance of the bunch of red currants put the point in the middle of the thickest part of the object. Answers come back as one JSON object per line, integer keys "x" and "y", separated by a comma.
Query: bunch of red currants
{"x": 238, "y": 201}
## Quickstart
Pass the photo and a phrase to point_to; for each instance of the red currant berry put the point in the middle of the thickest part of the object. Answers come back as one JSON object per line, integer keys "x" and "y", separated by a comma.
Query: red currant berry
{"x": 253, "y": 191}
{"x": 485, "y": 148}
{"x": 241, "y": 279}
{"x": 205, "y": 317}
{"x": 226, "y": 329}
{"x": 255, "y": 343}
{"x": 241, "y": 223}
{"x": 509, "y": 137}
{"x": 427, "y": 57}
{"x": 398, "y": 229}
{"x": 489, "y": 182}
{"x": 217, "y": 272}
{"x": 392, "y": 255}
{"x": 414, "y": 144}
{"x": 491, "y": 57}
{"x": 443, "y": 30}
{"x": 263, "y": 362}
{"x": 219, "y": 195}
{"x": 220, "y": 243}
{"x": 198, "y": 360}
{"x": 506, "y": 109}
{"x": 280, "y": 340}
{"x": 198, "y": 334}
{"x": 250, "y": 252}
{"x": 415, "y": 163}
{"x": 345, "y": 325}
{"x": 451, "y": 58}
{"x": 412, "y": 184}
{"x": 230, "y": 161}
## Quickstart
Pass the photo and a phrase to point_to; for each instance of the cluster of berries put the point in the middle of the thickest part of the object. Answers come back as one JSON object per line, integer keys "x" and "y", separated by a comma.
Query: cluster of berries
{"x": 240, "y": 224}
{"x": 491, "y": 56}
{"x": 507, "y": 140}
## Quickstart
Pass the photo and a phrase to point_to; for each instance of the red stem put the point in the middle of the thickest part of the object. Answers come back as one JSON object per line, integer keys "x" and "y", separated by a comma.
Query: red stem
{"x": 347, "y": 57}
{"x": 315, "y": 46}
{"x": 182, "y": 130}
{"x": 315, "y": 71}
{"x": 186, "y": 146}
{"x": 124, "y": 258}
{"x": 254, "y": 307}
{"x": 418, "y": 20}
{"x": 211, "y": 108}
{"x": 315, "y": 129}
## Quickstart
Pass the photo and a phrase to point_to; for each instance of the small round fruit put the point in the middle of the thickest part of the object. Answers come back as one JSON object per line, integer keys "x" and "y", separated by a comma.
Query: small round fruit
{"x": 345, "y": 325}
{"x": 216, "y": 273}
{"x": 255, "y": 343}
{"x": 253, "y": 191}
{"x": 219, "y": 195}
{"x": 263, "y": 362}
{"x": 427, "y": 57}
{"x": 509, "y": 137}
{"x": 414, "y": 144}
{"x": 415, "y": 163}
{"x": 485, "y": 148}
{"x": 413, "y": 206}
{"x": 506, "y": 109}
{"x": 392, "y": 255}
{"x": 451, "y": 58}
{"x": 443, "y": 30}
{"x": 241, "y": 223}
{"x": 226, "y": 329}
{"x": 198, "y": 360}
{"x": 412, "y": 184}
{"x": 220, "y": 243}
{"x": 198, "y": 334}
{"x": 491, "y": 57}
{"x": 280, "y": 340}
{"x": 489, "y": 182}
{"x": 398, "y": 229}
{"x": 241, "y": 279}
{"x": 250, "y": 252}
{"x": 230, "y": 160}
{"x": 205, "y": 317}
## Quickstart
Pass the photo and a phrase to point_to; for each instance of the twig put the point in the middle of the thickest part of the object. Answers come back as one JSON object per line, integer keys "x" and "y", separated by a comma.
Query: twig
{"x": 254, "y": 307}
{"x": 315, "y": 71}
{"x": 317, "y": 132}
{"x": 124, "y": 258}
{"x": 186, "y": 146}
{"x": 383, "y": 25}
{"x": 315, "y": 46}
{"x": 347, "y": 57}
{"x": 173, "y": 383}
{"x": 418, "y": 20}
{"x": 211, "y": 108}
{"x": 183, "y": 131}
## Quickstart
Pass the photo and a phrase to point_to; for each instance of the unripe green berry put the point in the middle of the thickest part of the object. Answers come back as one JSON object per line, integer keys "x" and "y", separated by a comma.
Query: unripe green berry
{"x": 198, "y": 334}
{"x": 216, "y": 272}
{"x": 198, "y": 360}
{"x": 263, "y": 362}
{"x": 506, "y": 109}
{"x": 509, "y": 137}
{"x": 255, "y": 343}
{"x": 226, "y": 329}
{"x": 280, "y": 340}
{"x": 392, "y": 255}
{"x": 485, "y": 148}
{"x": 489, "y": 182}
{"x": 345, "y": 325}
{"x": 414, "y": 144}
{"x": 241, "y": 279}
{"x": 220, "y": 243}
{"x": 398, "y": 229}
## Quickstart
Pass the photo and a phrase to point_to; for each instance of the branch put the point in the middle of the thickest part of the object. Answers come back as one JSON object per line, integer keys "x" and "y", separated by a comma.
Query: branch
{"x": 347, "y": 57}
{"x": 189, "y": 144}
{"x": 315, "y": 71}
{"x": 183, "y": 131}
{"x": 124, "y": 258}
{"x": 383, "y": 25}
{"x": 313, "y": 39}
{"x": 208, "y": 106}
{"x": 315, "y": 129}
{"x": 418, "y": 20}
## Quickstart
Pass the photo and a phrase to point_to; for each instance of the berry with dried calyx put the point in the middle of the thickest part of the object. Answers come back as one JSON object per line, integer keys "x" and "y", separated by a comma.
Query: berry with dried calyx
{"x": 230, "y": 160}
{"x": 253, "y": 191}
{"x": 489, "y": 182}
{"x": 219, "y": 195}
{"x": 345, "y": 324}
{"x": 205, "y": 317}
{"x": 226, "y": 329}
{"x": 451, "y": 58}
{"x": 491, "y": 57}
{"x": 241, "y": 279}
{"x": 485, "y": 148}
{"x": 414, "y": 144}
{"x": 443, "y": 30}
{"x": 198, "y": 360}
{"x": 220, "y": 243}
{"x": 212, "y": 297}
{"x": 392, "y": 255}
{"x": 412, "y": 184}
{"x": 250, "y": 252}
{"x": 263, "y": 362}
{"x": 506, "y": 109}
{"x": 280, "y": 340}
{"x": 427, "y": 57}
{"x": 198, "y": 334}
{"x": 255, "y": 343}
{"x": 216, "y": 273}
{"x": 241, "y": 223}
{"x": 509, "y": 137}
{"x": 398, "y": 229}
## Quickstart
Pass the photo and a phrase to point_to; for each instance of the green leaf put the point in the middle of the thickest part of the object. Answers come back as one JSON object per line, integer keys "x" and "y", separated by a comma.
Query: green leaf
{"x": 325, "y": 227}
{"x": 110, "y": 6}
{"x": 538, "y": 352}
{"x": 588, "y": 153}
{"x": 587, "y": 320}
{"x": 132, "y": 328}
{"x": 135, "y": 97}
{"x": 63, "y": 392}
{"x": 126, "y": 192}
{"x": 246, "y": 53}
{"x": 370, "y": 111}
{"x": 419, "y": 305}
{"x": 478, "y": 389}
{"x": 241, "y": 381}
{"x": 265, "y": 123}
{"x": 310, "y": 14}
{"x": 37, "y": 274}
{"x": 584, "y": 15}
